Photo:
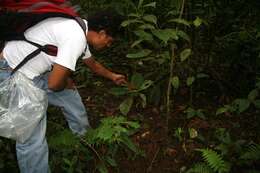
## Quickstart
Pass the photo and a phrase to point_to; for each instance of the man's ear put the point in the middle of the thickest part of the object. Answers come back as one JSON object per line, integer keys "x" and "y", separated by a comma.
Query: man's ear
{"x": 102, "y": 32}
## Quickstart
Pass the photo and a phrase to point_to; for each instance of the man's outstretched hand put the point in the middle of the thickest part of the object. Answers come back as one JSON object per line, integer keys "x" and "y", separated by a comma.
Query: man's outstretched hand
{"x": 119, "y": 79}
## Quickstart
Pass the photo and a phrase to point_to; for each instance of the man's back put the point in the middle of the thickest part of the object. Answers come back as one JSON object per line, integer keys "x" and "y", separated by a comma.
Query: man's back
{"x": 66, "y": 34}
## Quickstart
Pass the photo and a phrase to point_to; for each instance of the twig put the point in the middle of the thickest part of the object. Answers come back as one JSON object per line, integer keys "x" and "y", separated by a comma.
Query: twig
{"x": 149, "y": 169}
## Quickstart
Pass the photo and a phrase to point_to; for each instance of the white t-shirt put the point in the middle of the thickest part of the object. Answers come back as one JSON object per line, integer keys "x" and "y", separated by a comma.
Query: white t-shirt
{"x": 64, "y": 33}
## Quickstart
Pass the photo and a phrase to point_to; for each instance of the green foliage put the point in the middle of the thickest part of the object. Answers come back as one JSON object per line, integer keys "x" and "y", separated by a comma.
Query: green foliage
{"x": 214, "y": 160}
{"x": 194, "y": 113}
{"x": 112, "y": 134}
{"x": 112, "y": 130}
{"x": 252, "y": 153}
{"x": 134, "y": 91}
{"x": 200, "y": 168}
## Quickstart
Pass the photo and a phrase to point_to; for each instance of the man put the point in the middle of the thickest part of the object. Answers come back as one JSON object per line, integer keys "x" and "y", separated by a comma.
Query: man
{"x": 32, "y": 155}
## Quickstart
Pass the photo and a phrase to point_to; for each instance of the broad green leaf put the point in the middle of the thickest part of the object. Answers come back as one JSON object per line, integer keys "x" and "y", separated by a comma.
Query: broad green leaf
{"x": 137, "y": 80}
{"x": 136, "y": 43}
{"x": 152, "y": 4}
{"x": 197, "y": 22}
{"x": 118, "y": 91}
{"x": 252, "y": 95}
{"x": 134, "y": 15}
{"x": 242, "y": 104}
{"x": 165, "y": 34}
{"x": 180, "y": 21}
{"x": 193, "y": 133}
{"x": 140, "y": 3}
{"x": 190, "y": 80}
{"x": 150, "y": 18}
{"x": 183, "y": 35}
{"x": 140, "y": 54}
{"x": 185, "y": 54}
{"x": 126, "y": 105}
{"x": 144, "y": 35}
{"x": 128, "y": 22}
{"x": 175, "y": 81}
{"x": 146, "y": 26}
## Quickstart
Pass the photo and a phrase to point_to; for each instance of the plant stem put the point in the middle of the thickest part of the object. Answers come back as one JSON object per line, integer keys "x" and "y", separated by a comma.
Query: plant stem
{"x": 169, "y": 88}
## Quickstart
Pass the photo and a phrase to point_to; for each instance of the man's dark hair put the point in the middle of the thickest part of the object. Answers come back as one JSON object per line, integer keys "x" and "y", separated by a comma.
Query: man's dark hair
{"x": 105, "y": 20}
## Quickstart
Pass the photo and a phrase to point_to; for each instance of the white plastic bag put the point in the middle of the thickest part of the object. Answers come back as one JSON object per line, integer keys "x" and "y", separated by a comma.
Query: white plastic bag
{"x": 22, "y": 106}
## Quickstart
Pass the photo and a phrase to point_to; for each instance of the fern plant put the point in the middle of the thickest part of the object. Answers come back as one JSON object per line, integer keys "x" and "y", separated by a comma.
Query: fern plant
{"x": 112, "y": 134}
{"x": 200, "y": 168}
{"x": 214, "y": 162}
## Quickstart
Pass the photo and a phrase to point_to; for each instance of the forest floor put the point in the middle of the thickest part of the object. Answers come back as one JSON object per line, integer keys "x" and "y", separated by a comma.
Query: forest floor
{"x": 164, "y": 151}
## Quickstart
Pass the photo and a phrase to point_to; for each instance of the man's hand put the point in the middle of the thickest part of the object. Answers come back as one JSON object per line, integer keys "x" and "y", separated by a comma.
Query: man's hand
{"x": 98, "y": 68}
{"x": 118, "y": 79}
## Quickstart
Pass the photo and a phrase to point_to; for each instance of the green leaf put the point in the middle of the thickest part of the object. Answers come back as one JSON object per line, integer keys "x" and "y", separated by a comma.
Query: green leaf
{"x": 190, "y": 80}
{"x": 140, "y": 3}
{"x": 63, "y": 139}
{"x": 183, "y": 35}
{"x": 136, "y": 43}
{"x": 140, "y": 54}
{"x": 215, "y": 161}
{"x": 241, "y": 104}
{"x": 118, "y": 91}
{"x": 146, "y": 84}
{"x": 126, "y": 105}
{"x": 252, "y": 95}
{"x": 134, "y": 15}
{"x": 185, "y": 54}
{"x": 144, "y": 35}
{"x": 146, "y": 26}
{"x": 175, "y": 81}
{"x": 180, "y": 21}
{"x": 165, "y": 34}
{"x": 131, "y": 21}
{"x": 152, "y": 4}
{"x": 150, "y": 18}
{"x": 137, "y": 80}
{"x": 197, "y": 22}
{"x": 222, "y": 110}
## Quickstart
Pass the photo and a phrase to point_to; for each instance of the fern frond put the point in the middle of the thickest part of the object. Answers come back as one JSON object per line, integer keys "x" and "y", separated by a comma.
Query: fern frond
{"x": 200, "y": 168}
{"x": 252, "y": 153}
{"x": 215, "y": 161}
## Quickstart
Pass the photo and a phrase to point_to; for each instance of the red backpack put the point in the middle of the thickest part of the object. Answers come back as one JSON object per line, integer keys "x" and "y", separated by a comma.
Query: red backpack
{"x": 16, "y": 16}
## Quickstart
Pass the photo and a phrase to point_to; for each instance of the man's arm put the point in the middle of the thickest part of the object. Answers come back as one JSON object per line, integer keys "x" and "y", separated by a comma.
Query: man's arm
{"x": 58, "y": 77}
{"x": 98, "y": 68}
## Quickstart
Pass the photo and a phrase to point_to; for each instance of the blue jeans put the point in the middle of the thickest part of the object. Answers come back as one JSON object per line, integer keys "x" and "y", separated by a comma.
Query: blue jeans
{"x": 32, "y": 155}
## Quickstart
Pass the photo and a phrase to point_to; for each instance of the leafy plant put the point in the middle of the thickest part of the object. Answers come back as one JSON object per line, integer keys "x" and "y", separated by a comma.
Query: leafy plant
{"x": 133, "y": 90}
{"x": 111, "y": 135}
{"x": 215, "y": 161}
